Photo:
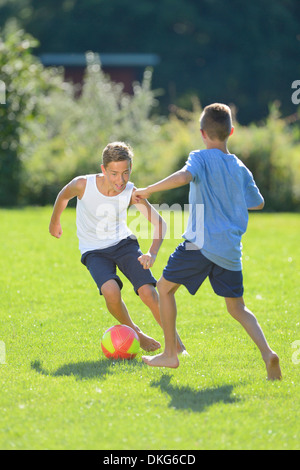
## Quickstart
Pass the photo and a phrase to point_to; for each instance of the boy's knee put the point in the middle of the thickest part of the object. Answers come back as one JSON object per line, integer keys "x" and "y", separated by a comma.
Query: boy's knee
{"x": 160, "y": 285}
{"x": 235, "y": 306}
{"x": 164, "y": 286}
{"x": 148, "y": 293}
{"x": 111, "y": 291}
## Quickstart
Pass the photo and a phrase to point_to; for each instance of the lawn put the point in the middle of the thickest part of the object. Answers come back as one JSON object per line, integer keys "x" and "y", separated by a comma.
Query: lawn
{"x": 58, "y": 391}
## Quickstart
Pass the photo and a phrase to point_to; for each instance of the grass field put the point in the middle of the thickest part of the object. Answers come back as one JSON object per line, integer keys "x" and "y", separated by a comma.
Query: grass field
{"x": 58, "y": 391}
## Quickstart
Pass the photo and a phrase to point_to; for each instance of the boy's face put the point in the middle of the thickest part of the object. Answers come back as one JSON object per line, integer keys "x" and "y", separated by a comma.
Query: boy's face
{"x": 117, "y": 174}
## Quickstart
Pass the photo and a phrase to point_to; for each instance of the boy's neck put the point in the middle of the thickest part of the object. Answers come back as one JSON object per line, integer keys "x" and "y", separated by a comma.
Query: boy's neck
{"x": 217, "y": 145}
{"x": 105, "y": 188}
{"x": 214, "y": 144}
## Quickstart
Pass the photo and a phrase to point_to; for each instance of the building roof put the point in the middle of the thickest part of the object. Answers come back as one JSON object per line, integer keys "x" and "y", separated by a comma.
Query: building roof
{"x": 106, "y": 60}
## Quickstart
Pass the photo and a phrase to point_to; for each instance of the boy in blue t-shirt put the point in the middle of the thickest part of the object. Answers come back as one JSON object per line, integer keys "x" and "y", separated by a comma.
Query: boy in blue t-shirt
{"x": 222, "y": 190}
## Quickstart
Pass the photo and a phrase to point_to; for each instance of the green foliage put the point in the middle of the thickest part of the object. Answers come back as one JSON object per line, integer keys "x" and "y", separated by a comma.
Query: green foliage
{"x": 271, "y": 150}
{"x": 246, "y": 53}
{"x": 49, "y": 134}
{"x": 272, "y": 153}
{"x": 71, "y": 133}
{"x": 18, "y": 106}
{"x": 25, "y": 81}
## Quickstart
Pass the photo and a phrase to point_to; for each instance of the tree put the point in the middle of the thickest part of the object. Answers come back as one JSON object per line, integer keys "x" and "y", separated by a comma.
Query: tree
{"x": 238, "y": 52}
{"x": 67, "y": 135}
{"x": 24, "y": 78}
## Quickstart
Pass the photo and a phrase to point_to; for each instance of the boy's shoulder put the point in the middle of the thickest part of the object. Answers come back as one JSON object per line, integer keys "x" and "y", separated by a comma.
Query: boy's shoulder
{"x": 213, "y": 159}
{"x": 196, "y": 156}
{"x": 79, "y": 181}
{"x": 204, "y": 156}
{"x": 217, "y": 155}
{"x": 195, "y": 153}
{"x": 79, "y": 185}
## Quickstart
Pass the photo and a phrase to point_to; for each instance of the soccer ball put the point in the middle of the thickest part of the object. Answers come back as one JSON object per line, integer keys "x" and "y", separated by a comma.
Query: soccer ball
{"x": 120, "y": 342}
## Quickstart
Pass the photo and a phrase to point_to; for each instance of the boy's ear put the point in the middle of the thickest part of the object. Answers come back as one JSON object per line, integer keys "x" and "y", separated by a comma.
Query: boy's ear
{"x": 232, "y": 131}
{"x": 103, "y": 168}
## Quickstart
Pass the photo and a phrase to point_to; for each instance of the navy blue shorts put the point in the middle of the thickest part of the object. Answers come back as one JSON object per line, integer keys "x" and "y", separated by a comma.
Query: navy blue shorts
{"x": 102, "y": 264}
{"x": 190, "y": 268}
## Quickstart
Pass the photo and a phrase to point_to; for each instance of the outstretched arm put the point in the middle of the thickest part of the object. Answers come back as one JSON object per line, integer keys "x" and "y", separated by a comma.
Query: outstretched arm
{"x": 75, "y": 188}
{"x": 160, "y": 227}
{"x": 180, "y": 178}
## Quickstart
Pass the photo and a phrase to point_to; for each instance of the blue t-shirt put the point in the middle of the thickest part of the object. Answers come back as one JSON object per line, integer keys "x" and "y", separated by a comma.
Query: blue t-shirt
{"x": 221, "y": 192}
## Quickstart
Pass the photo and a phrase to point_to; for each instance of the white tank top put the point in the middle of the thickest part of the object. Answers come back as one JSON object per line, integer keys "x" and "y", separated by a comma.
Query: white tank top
{"x": 101, "y": 220}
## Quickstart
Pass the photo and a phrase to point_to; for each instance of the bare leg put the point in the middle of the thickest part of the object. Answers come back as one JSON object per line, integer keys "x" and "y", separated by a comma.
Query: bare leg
{"x": 238, "y": 310}
{"x": 168, "y": 312}
{"x": 150, "y": 298}
{"x": 116, "y": 306}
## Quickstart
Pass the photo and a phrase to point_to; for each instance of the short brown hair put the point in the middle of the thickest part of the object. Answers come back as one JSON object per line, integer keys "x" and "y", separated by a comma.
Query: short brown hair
{"x": 216, "y": 121}
{"x": 117, "y": 152}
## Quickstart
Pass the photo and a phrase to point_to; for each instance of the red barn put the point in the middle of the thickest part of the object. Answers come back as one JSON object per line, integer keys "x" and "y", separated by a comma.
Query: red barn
{"x": 122, "y": 68}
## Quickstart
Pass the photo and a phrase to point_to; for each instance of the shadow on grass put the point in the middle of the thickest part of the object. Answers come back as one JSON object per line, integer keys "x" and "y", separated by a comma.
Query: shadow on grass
{"x": 84, "y": 370}
{"x": 182, "y": 397}
{"x": 185, "y": 398}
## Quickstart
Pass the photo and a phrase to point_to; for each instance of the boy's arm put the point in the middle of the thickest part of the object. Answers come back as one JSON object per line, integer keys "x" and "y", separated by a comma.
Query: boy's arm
{"x": 160, "y": 227}
{"x": 75, "y": 188}
{"x": 180, "y": 178}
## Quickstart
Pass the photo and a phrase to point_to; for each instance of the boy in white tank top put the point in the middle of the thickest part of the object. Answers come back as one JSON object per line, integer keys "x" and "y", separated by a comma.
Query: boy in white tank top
{"x": 106, "y": 242}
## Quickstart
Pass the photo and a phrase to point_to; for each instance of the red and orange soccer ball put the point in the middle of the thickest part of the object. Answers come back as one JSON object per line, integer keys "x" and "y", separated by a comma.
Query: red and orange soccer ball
{"x": 120, "y": 342}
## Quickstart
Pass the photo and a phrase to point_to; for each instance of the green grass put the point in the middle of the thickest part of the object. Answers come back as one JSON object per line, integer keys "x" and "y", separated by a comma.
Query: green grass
{"x": 59, "y": 392}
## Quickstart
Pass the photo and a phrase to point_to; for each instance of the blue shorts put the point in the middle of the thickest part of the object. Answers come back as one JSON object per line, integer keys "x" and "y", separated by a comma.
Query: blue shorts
{"x": 102, "y": 264}
{"x": 190, "y": 268}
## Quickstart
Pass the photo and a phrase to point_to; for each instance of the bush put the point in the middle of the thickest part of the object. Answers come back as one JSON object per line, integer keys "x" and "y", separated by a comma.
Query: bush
{"x": 71, "y": 133}
{"x": 49, "y": 135}
{"x": 271, "y": 150}
{"x": 26, "y": 81}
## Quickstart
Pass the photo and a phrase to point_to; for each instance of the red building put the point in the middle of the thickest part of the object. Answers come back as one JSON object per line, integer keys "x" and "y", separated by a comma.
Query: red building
{"x": 122, "y": 68}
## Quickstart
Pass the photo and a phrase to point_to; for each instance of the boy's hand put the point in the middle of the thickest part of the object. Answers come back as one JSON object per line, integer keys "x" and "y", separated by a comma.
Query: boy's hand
{"x": 143, "y": 193}
{"x": 55, "y": 230}
{"x": 147, "y": 260}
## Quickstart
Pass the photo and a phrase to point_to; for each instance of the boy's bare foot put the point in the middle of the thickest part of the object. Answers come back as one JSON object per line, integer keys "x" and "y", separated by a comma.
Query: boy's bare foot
{"x": 161, "y": 360}
{"x": 147, "y": 343}
{"x": 273, "y": 367}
